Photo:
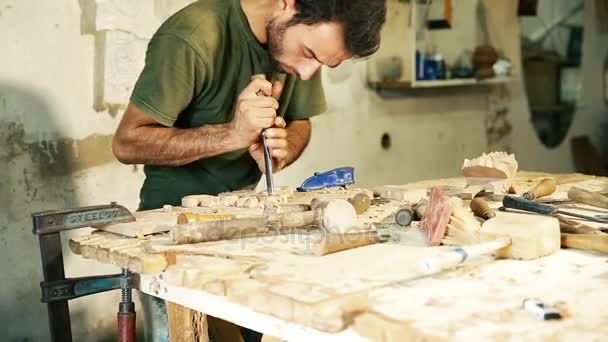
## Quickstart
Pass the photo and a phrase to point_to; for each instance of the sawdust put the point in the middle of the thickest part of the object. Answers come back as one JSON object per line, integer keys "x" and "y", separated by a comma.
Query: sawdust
{"x": 434, "y": 302}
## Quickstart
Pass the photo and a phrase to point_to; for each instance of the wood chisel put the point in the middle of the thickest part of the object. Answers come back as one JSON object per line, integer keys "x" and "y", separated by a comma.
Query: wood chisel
{"x": 267, "y": 157}
{"x": 510, "y": 202}
{"x": 573, "y": 234}
{"x": 267, "y": 165}
{"x": 595, "y": 199}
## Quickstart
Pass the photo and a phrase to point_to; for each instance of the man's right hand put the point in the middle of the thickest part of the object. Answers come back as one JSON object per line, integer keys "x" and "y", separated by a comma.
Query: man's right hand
{"x": 255, "y": 112}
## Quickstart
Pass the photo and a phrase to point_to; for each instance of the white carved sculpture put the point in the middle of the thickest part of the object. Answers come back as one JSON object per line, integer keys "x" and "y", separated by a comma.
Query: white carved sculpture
{"x": 494, "y": 172}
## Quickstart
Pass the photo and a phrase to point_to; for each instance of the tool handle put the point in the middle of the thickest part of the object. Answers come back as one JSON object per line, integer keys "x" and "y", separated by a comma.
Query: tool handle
{"x": 126, "y": 327}
{"x": 454, "y": 257}
{"x": 545, "y": 187}
{"x": 587, "y": 242}
{"x": 332, "y": 243}
{"x": 419, "y": 209}
{"x": 404, "y": 216}
{"x": 587, "y": 197}
{"x": 185, "y": 218}
{"x": 530, "y": 206}
{"x": 481, "y": 209}
{"x": 575, "y": 227}
{"x": 360, "y": 202}
{"x": 297, "y": 220}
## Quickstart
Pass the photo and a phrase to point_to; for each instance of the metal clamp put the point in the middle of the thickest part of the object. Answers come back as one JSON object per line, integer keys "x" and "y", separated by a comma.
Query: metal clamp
{"x": 56, "y": 289}
{"x": 53, "y": 291}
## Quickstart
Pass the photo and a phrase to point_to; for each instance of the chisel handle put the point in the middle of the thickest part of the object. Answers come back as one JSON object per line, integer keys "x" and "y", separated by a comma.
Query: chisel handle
{"x": 587, "y": 242}
{"x": 545, "y": 187}
{"x": 451, "y": 258}
{"x": 511, "y": 202}
{"x": 360, "y": 202}
{"x": 481, "y": 209}
{"x": 404, "y": 216}
{"x": 587, "y": 197}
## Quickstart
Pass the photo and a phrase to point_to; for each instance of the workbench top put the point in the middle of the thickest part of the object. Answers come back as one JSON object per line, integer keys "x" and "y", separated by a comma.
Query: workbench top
{"x": 274, "y": 286}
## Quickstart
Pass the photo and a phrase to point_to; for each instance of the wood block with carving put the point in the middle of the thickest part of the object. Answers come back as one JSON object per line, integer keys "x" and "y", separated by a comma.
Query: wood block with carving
{"x": 494, "y": 171}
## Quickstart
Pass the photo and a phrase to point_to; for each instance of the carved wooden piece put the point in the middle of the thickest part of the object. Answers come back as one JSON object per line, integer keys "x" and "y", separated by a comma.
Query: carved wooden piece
{"x": 494, "y": 171}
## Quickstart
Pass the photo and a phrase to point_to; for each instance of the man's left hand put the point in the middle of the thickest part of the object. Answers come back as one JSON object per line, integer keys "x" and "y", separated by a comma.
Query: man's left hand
{"x": 276, "y": 139}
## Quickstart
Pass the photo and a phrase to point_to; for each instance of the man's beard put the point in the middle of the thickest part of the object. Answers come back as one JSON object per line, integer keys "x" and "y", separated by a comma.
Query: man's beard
{"x": 275, "y": 33}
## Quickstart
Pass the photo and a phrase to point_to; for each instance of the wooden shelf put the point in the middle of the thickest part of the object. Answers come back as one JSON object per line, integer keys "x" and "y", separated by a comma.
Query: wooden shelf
{"x": 457, "y": 82}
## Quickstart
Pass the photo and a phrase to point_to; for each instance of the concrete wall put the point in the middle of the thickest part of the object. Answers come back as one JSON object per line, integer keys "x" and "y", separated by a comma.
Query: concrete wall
{"x": 55, "y": 148}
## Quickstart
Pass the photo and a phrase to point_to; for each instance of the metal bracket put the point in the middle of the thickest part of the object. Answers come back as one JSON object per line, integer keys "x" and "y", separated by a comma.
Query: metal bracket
{"x": 53, "y": 291}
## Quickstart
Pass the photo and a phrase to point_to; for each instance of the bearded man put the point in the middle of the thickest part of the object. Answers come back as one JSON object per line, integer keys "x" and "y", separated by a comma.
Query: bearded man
{"x": 196, "y": 112}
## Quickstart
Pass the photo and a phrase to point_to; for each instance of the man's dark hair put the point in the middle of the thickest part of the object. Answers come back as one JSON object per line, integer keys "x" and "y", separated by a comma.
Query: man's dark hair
{"x": 361, "y": 20}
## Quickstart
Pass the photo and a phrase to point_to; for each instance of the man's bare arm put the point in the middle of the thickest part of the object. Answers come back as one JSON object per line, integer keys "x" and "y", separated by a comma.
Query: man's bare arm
{"x": 139, "y": 139}
{"x": 298, "y": 136}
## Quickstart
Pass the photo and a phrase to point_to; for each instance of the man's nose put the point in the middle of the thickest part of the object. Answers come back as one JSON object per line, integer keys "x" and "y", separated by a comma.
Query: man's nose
{"x": 307, "y": 70}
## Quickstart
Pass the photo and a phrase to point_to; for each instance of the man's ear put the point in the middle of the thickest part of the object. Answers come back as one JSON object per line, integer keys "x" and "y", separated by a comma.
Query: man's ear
{"x": 288, "y": 5}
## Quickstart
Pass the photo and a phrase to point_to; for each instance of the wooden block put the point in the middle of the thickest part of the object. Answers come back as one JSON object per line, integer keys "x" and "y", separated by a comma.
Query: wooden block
{"x": 146, "y": 223}
{"x": 186, "y": 325}
{"x": 120, "y": 251}
{"x": 194, "y": 201}
{"x": 532, "y": 236}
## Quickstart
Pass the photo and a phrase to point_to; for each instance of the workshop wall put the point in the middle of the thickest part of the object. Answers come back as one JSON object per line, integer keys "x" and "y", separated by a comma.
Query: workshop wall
{"x": 591, "y": 114}
{"x": 57, "y": 119}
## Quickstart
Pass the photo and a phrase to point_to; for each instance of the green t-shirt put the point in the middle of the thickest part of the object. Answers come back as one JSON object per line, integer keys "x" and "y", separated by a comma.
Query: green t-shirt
{"x": 197, "y": 64}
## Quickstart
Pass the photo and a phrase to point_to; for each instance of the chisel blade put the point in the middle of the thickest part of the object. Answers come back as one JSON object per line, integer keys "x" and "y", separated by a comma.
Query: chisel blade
{"x": 267, "y": 165}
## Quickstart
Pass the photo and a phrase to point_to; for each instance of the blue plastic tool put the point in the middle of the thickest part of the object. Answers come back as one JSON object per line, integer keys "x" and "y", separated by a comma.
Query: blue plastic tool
{"x": 337, "y": 177}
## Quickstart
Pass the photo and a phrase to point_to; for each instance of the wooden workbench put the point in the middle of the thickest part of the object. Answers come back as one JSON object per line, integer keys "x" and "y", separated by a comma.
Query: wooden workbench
{"x": 274, "y": 286}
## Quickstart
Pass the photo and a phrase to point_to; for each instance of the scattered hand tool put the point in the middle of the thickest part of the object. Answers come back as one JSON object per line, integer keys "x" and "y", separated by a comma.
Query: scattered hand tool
{"x": 587, "y": 242}
{"x": 337, "y": 177}
{"x": 361, "y": 202}
{"x": 595, "y": 199}
{"x": 481, "y": 209}
{"x": 545, "y": 187}
{"x": 404, "y": 216}
{"x": 540, "y": 310}
{"x": 574, "y": 227}
{"x": 510, "y": 202}
{"x": 333, "y": 215}
{"x": 512, "y": 237}
{"x": 184, "y": 218}
{"x": 332, "y": 243}
{"x": 419, "y": 209}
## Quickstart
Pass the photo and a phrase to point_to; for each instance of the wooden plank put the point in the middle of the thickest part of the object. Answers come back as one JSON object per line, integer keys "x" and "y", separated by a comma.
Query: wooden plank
{"x": 186, "y": 325}
{"x": 146, "y": 223}
{"x": 120, "y": 251}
